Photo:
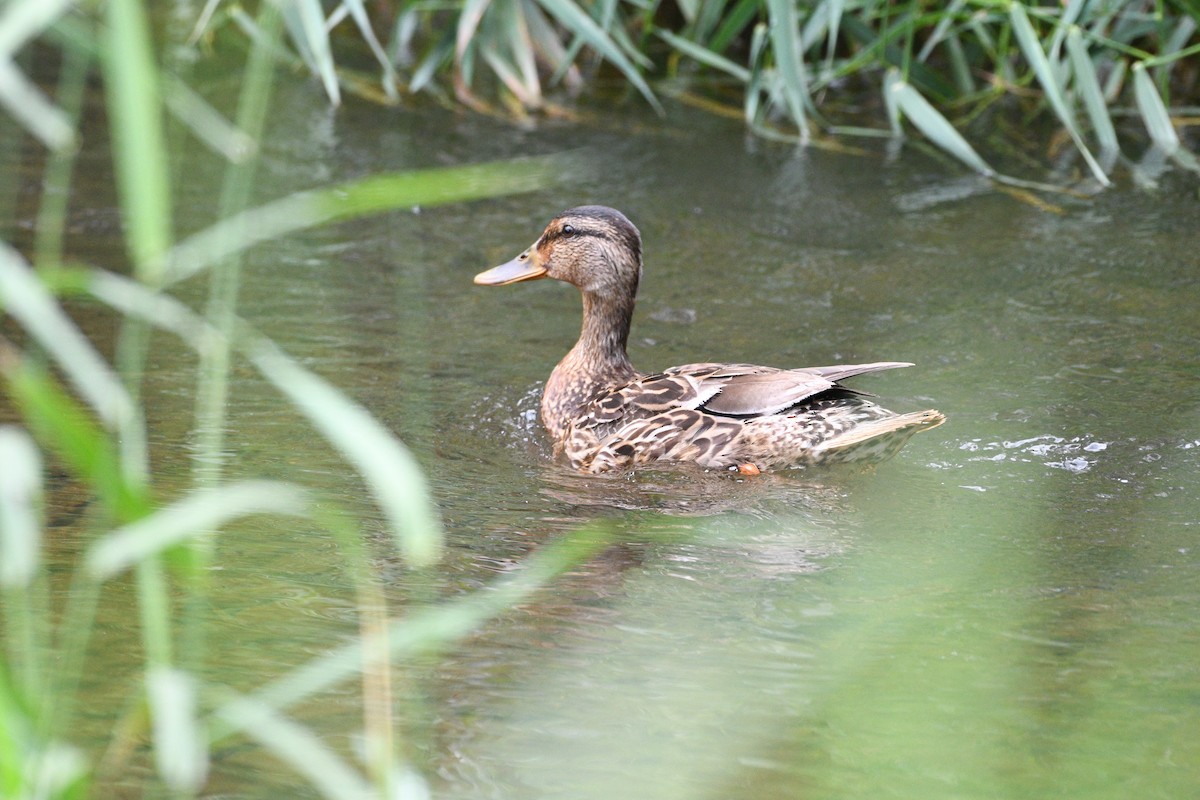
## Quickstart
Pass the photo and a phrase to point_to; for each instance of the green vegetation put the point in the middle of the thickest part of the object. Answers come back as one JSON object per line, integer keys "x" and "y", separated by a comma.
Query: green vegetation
{"x": 891, "y": 717}
{"x": 940, "y": 66}
{"x": 88, "y": 416}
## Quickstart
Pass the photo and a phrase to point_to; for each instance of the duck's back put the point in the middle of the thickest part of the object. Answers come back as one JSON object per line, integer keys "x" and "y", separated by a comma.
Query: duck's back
{"x": 725, "y": 415}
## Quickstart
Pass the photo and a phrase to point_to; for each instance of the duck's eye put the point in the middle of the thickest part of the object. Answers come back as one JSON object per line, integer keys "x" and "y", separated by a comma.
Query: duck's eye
{"x": 568, "y": 230}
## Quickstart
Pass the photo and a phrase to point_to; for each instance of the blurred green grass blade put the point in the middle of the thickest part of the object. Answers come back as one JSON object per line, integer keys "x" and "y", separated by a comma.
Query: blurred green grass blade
{"x": 139, "y": 146}
{"x": 23, "y": 20}
{"x": 24, "y": 297}
{"x": 294, "y": 744}
{"x": 180, "y": 741}
{"x": 206, "y": 122}
{"x": 51, "y": 220}
{"x": 61, "y": 424}
{"x": 1153, "y": 111}
{"x": 435, "y": 627}
{"x": 704, "y": 55}
{"x": 909, "y": 102}
{"x": 199, "y": 512}
{"x": 31, "y": 767}
{"x": 162, "y": 310}
{"x": 402, "y": 190}
{"x": 391, "y": 472}
{"x": 1032, "y": 48}
{"x": 790, "y": 60}
{"x": 305, "y": 21}
{"x": 29, "y": 106}
{"x": 20, "y": 508}
{"x": 578, "y": 22}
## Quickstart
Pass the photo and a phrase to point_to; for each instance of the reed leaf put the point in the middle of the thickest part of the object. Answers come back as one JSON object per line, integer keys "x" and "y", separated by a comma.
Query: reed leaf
{"x": 23, "y": 20}
{"x": 892, "y": 84}
{"x": 789, "y": 59}
{"x": 736, "y": 18}
{"x": 31, "y": 767}
{"x": 941, "y": 29}
{"x": 199, "y": 512}
{"x": 206, "y": 122}
{"x": 389, "y": 469}
{"x": 61, "y": 424}
{"x": 294, "y": 744}
{"x": 1088, "y": 85}
{"x": 402, "y": 190}
{"x": 909, "y": 102}
{"x": 24, "y": 296}
{"x": 180, "y": 741}
{"x": 435, "y": 627}
{"x": 358, "y": 13}
{"x": 1153, "y": 111}
{"x": 575, "y": 19}
{"x": 391, "y": 473}
{"x": 1045, "y": 72}
{"x": 704, "y": 55}
{"x": 28, "y": 105}
{"x": 306, "y": 23}
{"x": 20, "y": 508}
{"x": 139, "y": 148}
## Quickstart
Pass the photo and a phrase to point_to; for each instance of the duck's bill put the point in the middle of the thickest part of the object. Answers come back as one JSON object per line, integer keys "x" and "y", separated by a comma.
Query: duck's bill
{"x": 519, "y": 269}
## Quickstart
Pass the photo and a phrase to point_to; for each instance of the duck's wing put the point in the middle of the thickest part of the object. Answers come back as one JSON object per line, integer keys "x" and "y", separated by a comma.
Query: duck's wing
{"x": 731, "y": 390}
{"x": 750, "y": 391}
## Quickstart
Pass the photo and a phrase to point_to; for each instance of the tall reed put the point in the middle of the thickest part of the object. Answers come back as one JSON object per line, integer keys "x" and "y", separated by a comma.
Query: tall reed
{"x": 939, "y": 65}
{"x": 90, "y": 416}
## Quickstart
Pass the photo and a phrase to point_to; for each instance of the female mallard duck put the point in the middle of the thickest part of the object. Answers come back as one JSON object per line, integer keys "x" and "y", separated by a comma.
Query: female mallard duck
{"x": 606, "y": 415}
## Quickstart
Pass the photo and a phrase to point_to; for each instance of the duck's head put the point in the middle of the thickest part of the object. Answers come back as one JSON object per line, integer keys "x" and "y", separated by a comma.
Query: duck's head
{"x": 592, "y": 247}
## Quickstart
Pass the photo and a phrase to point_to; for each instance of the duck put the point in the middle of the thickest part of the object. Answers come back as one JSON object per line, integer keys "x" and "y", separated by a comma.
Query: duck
{"x": 605, "y": 416}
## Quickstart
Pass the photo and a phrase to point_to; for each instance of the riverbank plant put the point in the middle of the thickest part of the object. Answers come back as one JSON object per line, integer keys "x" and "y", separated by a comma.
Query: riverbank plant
{"x": 791, "y": 69}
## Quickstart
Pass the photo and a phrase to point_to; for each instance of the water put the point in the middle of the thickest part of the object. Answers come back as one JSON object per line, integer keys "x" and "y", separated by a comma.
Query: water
{"x": 1008, "y": 608}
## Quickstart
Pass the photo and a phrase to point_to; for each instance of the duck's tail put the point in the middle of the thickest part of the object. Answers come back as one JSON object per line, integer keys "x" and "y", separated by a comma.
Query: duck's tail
{"x": 877, "y": 439}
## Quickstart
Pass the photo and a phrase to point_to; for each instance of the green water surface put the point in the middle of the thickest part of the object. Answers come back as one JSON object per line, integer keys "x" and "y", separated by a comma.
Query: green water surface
{"x": 1009, "y": 608}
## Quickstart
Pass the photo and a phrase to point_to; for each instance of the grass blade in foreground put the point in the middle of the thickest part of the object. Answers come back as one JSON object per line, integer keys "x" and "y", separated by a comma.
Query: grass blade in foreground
{"x": 180, "y": 742}
{"x": 389, "y": 469}
{"x": 24, "y": 296}
{"x": 140, "y": 152}
{"x": 201, "y": 511}
{"x": 436, "y": 626}
{"x": 294, "y": 744}
{"x": 391, "y": 472}
{"x": 20, "y": 501}
{"x": 401, "y": 190}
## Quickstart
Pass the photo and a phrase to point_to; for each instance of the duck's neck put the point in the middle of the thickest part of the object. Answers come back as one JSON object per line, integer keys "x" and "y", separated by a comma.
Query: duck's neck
{"x": 597, "y": 361}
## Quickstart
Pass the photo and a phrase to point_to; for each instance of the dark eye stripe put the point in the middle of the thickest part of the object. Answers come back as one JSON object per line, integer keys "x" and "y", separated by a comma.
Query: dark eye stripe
{"x": 570, "y": 231}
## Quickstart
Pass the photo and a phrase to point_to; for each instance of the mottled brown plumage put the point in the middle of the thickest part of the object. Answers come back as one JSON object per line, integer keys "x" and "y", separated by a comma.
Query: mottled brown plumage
{"x": 604, "y": 415}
